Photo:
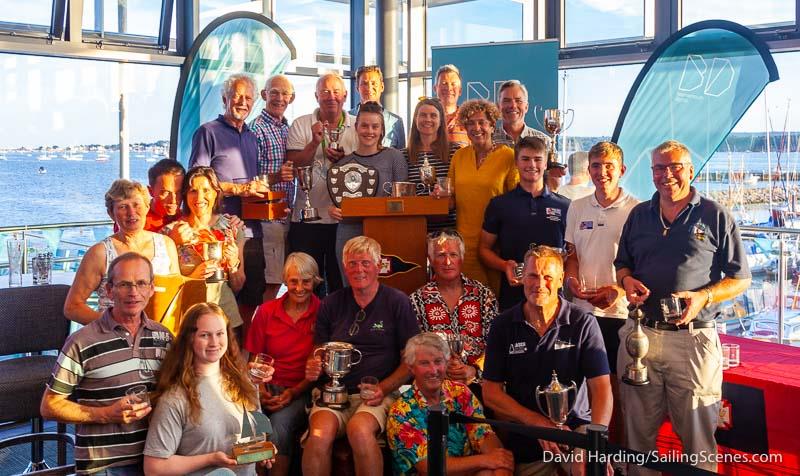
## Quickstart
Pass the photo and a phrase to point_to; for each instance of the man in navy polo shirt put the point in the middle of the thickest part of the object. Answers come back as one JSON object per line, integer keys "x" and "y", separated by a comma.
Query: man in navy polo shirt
{"x": 377, "y": 320}
{"x": 530, "y": 213}
{"x": 684, "y": 245}
{"x": 228, "y": 146}
{"x": 545, "y": 333}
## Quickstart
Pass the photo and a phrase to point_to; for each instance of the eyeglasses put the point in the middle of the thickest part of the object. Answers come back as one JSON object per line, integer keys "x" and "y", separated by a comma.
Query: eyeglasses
{"x": 675, "y": 168}
{"x": 548, "y": 251}
{"x": 354, "y": 328}
{"x": 428, "y": 98}
{"x": 128, "y": 286}
{"x": 280, "y": 92}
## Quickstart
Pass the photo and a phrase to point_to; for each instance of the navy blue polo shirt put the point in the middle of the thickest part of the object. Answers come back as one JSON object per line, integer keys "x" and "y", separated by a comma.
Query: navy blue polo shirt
{"x": 232, "y": 154}
{"x": 390, "y": 321}
{"x": 698, "y": 249}
{"x": 518, "y": 219}
{"x": 516, "y": 355}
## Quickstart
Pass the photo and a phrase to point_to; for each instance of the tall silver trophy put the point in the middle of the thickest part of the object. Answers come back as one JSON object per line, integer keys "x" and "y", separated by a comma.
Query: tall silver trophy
{"x": 556, "y": 397}
{"x": 552, "y": 121}
{"x": 305, "y": 179}
{"x": 636, "y": 344}
{"x": 337, "y": 358}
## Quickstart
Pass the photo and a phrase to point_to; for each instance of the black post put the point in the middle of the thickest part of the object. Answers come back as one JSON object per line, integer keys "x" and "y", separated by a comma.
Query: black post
{"x": 595, "y": 461}
{"x": 438, "y": 423}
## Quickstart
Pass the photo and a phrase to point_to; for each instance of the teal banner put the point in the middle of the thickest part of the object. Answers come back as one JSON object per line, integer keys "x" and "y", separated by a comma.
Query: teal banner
{"x": 485, "y": 67}
{"x": 694, "y": 89}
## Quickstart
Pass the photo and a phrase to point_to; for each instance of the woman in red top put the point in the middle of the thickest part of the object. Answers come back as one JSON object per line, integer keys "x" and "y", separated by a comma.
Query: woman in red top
{"x": 284, "y": 329}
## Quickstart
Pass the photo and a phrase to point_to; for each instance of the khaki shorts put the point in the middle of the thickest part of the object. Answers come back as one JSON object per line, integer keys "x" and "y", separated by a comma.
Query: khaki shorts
{"x": 274, "y": 244}
{"x": 380, "y": 412}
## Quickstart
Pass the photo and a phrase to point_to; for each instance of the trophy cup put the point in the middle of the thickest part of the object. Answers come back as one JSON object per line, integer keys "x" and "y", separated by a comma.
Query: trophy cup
{"x": 305, "y": 178}
{"x": 556, "y": 398}
{"x": 213, "y": 250}
{"x": 456, "y": 343}
{"x": 332, "y": 136}
{"x": 337, "y": 358}
{"x": 637, "y": 345}
{"x": 552, "y": 122}
{"x": 427, "y": 174}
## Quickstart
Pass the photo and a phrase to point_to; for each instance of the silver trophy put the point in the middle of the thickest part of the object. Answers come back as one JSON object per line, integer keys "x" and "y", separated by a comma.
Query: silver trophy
{"x": 637, "y": 344}
{"x": 305, "y": 178}
{"x": 213, "y": 251}
{"x": 456, "y": 343}
{"x": 427, "y": 174}
{"x": 332, "y": 136}
{"x": 337, "y": 358}
{"x": 552, "y": 122}
{"x": 556, "y": 397}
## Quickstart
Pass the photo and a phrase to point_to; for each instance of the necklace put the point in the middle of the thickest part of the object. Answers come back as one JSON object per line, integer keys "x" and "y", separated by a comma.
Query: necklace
{"x": 666, "y": 228}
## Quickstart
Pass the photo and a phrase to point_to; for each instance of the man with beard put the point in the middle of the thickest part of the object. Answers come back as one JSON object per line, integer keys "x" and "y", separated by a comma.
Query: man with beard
{"x": 472, "y": 448}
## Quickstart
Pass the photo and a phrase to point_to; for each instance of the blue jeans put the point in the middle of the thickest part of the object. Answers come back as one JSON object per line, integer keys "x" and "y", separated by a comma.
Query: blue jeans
{"x": 287, "y": 424}
{"x": 127, "y": 470}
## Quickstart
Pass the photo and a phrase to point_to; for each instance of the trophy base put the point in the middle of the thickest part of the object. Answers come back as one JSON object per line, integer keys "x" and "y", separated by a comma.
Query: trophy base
{"x": 636, "y": 377}
{"x": 334, "y": 402}
{"x": 309, "y": 214}
{"x": 217, "y": 277}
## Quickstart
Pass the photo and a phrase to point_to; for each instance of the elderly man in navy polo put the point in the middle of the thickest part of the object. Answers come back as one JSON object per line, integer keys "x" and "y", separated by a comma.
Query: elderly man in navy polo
{"x": 530, "y": 213}
{"x": 545, "y": 333}
{"x": 684, "y": 245}
{"x": 228, "y": 146}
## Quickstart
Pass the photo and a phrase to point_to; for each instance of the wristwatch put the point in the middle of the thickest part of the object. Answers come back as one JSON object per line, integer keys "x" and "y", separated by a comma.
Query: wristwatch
{"x": 709, "y": 297}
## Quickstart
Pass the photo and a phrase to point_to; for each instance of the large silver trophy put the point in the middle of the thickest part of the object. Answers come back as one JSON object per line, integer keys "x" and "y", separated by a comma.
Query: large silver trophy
{"x": 337, "y": 358}
{"x": 305, "y": 178}
{"x": 213, "y": 251}
{"x": 556, "y": 397}
{"x": 553, "y": 123}
{"x": 636, "y": 344}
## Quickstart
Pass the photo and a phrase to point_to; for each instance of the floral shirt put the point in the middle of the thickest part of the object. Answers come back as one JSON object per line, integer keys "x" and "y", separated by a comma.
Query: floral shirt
{"x": 471, "y": 317}
{"x": 407, "y": 426}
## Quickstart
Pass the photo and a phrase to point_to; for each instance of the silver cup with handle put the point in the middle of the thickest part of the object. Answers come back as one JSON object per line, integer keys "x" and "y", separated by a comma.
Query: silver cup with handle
{"x": 337, "y": 358}
{"x": 305, "y": 179}
{"x": 556, "y": 397}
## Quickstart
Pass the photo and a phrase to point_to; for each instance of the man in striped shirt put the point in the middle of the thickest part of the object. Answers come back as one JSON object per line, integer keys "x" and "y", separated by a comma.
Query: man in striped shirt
{"x": 99, "y": 363}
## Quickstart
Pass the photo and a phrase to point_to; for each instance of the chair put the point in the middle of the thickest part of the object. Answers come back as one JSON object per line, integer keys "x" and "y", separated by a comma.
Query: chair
{"x": 31, "y": 321}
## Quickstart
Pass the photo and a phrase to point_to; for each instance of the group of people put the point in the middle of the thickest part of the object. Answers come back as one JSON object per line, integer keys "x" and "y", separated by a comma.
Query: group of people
{"x": 528, "y": 281}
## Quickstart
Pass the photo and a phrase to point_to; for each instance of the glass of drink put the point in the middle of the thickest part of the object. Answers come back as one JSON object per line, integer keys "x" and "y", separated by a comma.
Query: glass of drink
{"x": 138, "y": 394}
{"x": 16, "y": 249}
{"x": 588, "y": 284}
{"x": 261, "y": 361}
{"x": 671, "y": 308}
{"x": 445, "y": 186}
{"x": 368, "y": 388}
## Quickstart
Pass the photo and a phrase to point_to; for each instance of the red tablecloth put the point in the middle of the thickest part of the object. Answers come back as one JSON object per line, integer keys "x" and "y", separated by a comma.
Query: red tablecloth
{"x": 774, "y": 369}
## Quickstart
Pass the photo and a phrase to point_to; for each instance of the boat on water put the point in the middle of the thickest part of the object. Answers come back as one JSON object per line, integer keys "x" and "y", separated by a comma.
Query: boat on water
{"x": 102, "y": 155}
{"x": 41, "y": 170}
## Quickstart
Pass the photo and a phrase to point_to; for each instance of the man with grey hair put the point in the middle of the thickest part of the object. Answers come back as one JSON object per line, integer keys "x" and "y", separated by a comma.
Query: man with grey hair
{"x": 512, "y": 99}
{"x": 272, "y": 129}
{"x": 452, "y": 303}
{"x": 378, "y": 321}
{"x": 228, "y": 146}
{"x": 448, "y": 90}
{"x": 580, "y": 184}
{"x": 678, "y": 245}
{"x": 307, "y": 146}
{"x": 98, "y": 365}
{"x": 472, "y": 448}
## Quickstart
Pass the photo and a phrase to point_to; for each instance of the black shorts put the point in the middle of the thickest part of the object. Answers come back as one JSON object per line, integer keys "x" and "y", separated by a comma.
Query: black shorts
{"x": 252, "y": 293}
{"x": 609, "y": 327}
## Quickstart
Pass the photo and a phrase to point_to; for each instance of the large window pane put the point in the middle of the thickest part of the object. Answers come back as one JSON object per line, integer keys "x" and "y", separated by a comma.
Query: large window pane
{"x": 479, "y": 21}
{"x": 56, "y": 104}
{"x": 320, "y": 31}
{"x": 35, "y": 12}
{"x": 601, "y": 20}
{"x": 212, "y": 9}
{"x": 134, "y": 17}
{"x": 762, "y": 12}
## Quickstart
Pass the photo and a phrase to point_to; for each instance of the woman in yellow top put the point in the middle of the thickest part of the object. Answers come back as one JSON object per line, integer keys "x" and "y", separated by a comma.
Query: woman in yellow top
{"x": 479, "y": 172}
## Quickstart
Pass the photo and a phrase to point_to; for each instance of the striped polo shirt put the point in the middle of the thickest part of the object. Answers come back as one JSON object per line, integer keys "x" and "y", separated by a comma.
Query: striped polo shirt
{"x": 97, "y": 365}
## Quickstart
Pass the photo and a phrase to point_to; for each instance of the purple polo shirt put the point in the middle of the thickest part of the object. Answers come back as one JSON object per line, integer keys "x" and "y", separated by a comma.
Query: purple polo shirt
{"x": 389, "y": 323}
{"x": 232, "y": 154}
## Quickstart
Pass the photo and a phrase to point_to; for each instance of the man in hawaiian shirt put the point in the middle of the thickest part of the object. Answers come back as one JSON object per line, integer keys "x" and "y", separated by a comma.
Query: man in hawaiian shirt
{"x": 471, "y": 448}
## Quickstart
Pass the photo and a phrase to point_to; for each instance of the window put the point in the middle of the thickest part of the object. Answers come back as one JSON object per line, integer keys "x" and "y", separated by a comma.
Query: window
{"x": 133, "y": 17}
{"x": 33, "y": 12}
{"x": 320, "y": 31}
{"x": 597, "y": 20}
{"x": 479, "y": 21}
{"x": 66, "y": 119}
{"x": 212, "y": 9}
{"x": 760, "y": 13}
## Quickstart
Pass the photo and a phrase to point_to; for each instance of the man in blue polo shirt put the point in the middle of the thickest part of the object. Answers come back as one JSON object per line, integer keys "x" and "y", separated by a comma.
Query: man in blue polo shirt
{"x": 228, "y": 146}
{"x": 545, "y": 333}
{"x": 530, "y": 213}
{"x": 378, "y": 321}
{"x": 684, "y": 245}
